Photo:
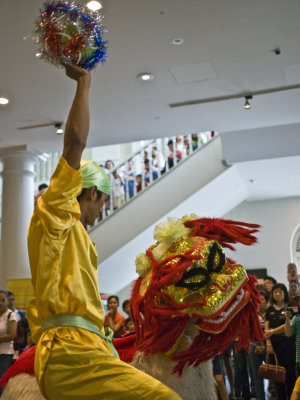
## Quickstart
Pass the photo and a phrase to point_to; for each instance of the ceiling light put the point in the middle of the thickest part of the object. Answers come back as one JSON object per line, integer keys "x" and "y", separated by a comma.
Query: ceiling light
{"x": 247, "y": 105}
{"x": 177, "y": 41}
{"x": 145, "y": 76}
{"x": 59, "y": 130}
{"x": 94, "y": 5}
{"x": 3, "y": 101}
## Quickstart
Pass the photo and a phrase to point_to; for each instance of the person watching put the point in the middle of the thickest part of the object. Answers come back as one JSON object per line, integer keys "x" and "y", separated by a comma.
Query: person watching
{"x": 292, "y": 328}
{"x": 148, "y": 170}
{"x": 8, "y": 330}
{"x": 11, "y": 306}
{"x": 269, "y": 282}
{"x": 293, "y": 289}
{"x": 126, "y": 307}
{"x": 277, "y": 342}
{"x": 114, "y": 319}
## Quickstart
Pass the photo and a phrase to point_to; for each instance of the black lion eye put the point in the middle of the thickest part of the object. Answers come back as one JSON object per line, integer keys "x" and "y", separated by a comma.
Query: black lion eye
{"x": 216, "y": 259}
{"x": 196, "y": 278}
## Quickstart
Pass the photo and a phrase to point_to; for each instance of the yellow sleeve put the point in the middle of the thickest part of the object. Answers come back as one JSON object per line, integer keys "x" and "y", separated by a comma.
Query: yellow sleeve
{"x": 58, "y": 208}
{"x": 34, "y": 321}
{"x": 297, "y": 385}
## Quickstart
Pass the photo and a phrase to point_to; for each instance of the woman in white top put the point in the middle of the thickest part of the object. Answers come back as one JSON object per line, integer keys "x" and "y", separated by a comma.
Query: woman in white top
{"x": 8, "y": 330}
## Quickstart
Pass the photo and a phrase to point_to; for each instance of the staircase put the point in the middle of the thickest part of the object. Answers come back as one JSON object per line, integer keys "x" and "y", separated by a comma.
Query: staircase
{"x": 200, "y": 184}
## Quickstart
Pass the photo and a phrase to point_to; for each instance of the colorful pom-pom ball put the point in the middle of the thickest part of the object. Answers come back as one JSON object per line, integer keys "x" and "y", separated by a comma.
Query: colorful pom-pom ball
{"x": 70, "y": 33}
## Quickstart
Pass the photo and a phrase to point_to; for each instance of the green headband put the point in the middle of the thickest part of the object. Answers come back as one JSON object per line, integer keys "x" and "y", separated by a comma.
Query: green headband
{"x": 94, "y": 175}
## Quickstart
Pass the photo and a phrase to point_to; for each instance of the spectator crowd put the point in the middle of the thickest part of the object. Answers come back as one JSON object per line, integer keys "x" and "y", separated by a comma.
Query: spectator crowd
{"x": 236, "y": 373}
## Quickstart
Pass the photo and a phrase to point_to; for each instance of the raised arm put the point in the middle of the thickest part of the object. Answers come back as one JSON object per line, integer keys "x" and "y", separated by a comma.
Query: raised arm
{"x": 78, "y": 122}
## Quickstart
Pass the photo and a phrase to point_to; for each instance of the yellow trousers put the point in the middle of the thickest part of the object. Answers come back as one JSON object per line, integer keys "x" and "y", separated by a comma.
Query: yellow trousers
{"x": 75, "y": 364}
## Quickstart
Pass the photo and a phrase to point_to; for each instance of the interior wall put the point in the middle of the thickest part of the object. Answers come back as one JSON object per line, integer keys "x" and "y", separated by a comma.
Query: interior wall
{"x": 279, "y": 220}
{"x": 124, "y": 294}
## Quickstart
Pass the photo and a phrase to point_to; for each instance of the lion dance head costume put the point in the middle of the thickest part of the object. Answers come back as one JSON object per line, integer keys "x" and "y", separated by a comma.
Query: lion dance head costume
{"x": 186, "y": 276}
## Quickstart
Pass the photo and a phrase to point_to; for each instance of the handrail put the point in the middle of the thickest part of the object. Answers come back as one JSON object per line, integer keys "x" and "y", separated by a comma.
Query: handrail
{"x": 154, "y": 174}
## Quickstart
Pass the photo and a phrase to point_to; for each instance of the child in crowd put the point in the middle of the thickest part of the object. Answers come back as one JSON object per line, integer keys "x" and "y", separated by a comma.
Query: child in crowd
{"x": 138, "y": 179}
{"x": 129, "y": 325}
{"x": 125, "y": 307}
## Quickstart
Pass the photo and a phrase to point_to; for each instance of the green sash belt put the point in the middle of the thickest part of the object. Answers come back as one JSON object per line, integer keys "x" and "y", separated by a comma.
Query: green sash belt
{"x": 79, "y": 322}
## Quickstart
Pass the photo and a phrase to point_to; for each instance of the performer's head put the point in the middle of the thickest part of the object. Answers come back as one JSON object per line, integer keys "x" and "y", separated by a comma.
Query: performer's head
{"x": 95, "y": 190}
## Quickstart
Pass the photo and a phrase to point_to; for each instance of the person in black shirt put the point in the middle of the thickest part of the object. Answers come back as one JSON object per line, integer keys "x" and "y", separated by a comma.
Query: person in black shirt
{"x": 277, "y": 342}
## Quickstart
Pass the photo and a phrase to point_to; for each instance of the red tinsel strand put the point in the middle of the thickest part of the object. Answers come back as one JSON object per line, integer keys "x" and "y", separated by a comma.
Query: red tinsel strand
{"x": 225, "y": 231}
{"x": 226, "y": 234}
{"x": 75, "y": 45}
{"x": 164, "y": 335}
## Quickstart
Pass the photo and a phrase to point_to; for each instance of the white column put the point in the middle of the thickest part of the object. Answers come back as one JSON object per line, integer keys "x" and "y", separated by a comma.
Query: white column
{"x": 17, "y": 208}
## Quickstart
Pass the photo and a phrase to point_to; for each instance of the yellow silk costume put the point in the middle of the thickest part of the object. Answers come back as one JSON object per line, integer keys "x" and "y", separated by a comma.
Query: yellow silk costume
{"x": 71, "y": 362}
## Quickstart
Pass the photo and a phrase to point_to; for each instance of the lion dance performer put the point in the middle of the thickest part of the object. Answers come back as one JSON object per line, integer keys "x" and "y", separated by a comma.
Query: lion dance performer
{"x": 75, "y": 358}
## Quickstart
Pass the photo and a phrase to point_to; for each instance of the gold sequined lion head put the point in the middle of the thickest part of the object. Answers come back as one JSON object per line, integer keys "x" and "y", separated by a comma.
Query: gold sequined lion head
{"x": 185, "y": 275}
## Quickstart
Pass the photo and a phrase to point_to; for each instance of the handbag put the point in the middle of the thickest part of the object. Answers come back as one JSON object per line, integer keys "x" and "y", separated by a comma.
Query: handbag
{"x": 274, "y": 373}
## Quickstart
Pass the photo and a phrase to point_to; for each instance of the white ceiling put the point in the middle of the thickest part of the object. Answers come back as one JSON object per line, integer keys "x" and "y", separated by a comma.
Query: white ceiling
{"x": 227, "y": 51}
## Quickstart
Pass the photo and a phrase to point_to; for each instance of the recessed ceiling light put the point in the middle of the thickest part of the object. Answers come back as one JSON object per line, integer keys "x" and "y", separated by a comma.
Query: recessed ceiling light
{"x": 94, "y": 5}
{"x": 247, "y": 105}
{"x": 58, "y": 126}
{"x": 177, "y": 41}
{"x": 145, "y": 76}
{"x": 3, "y": 101}
{"x": 38, "y": 54}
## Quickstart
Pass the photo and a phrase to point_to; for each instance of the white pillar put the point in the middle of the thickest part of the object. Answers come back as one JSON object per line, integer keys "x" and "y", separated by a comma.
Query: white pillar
{"x": 17, "y": 208}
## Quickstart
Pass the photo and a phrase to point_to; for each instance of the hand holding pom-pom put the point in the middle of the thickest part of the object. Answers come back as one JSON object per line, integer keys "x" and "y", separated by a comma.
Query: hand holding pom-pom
{"x": 76, "y": 73}
{"x": 69, "y": 33}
